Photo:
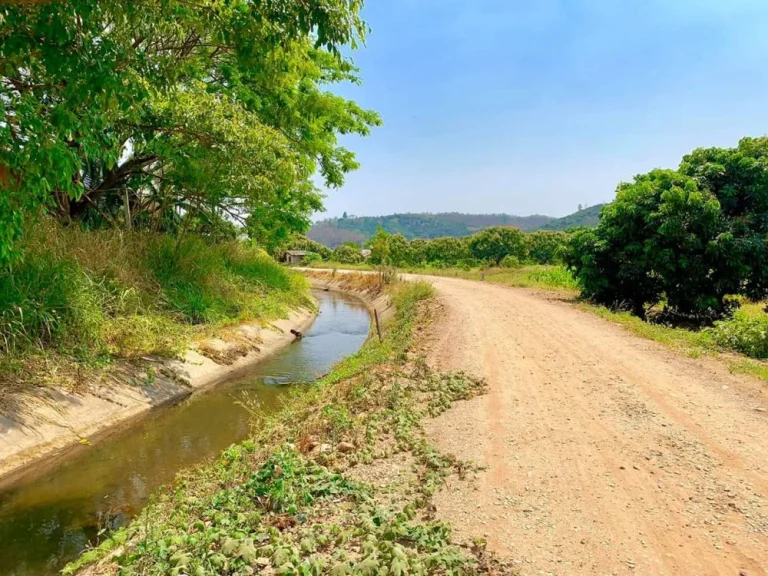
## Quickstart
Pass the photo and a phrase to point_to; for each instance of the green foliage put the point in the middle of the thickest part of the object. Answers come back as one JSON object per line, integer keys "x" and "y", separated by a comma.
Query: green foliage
{"x": 583, "y": 218}
{"x": 546, "y": 247}
{"x": 401, "y": 252}
{"x": 95, "y": 295}
{"x": 688, "y": 238}
{"x": 510, "y": 262}
{"x": 379, "y": 245}
{"x": 654, "y": 241}
{"x": 446, "y": 251}
{"x": 335, "y": 231}
{"x": 161, "y": 114}
{"x": 345, "y": 254}
{"x": 49, "y": 302}
{"x": 493, "y": 244}
{"x": 743, "y": 333}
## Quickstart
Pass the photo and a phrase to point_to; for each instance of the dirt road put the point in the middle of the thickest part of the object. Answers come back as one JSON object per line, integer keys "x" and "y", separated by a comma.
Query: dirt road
{"x": 604, "y": 453}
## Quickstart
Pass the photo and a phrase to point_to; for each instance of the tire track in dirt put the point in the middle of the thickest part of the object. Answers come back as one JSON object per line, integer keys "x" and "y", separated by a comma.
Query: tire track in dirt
{"x": 604, "y": 453}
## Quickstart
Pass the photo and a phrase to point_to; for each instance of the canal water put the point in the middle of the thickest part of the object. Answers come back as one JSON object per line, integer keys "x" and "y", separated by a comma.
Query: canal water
{"x": 49, "y": 518}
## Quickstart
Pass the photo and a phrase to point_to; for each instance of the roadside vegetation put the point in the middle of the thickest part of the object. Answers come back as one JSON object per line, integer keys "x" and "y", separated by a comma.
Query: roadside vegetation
{"x": 298, "y": 497}
{"x": 80, "y": 299}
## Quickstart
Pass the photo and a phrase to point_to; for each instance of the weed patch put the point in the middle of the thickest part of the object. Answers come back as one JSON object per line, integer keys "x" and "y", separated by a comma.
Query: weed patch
{"x": 85, "y": 298}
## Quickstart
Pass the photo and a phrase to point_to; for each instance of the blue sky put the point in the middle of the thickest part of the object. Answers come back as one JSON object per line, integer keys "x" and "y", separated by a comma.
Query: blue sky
{"x": 538, "y": 106}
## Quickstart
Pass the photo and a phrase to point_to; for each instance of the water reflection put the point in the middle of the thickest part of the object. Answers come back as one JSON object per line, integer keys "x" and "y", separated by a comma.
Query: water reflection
{"x": 48, "y": 520}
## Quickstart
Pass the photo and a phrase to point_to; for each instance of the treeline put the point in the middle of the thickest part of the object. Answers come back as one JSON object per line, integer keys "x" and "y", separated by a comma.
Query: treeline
{"x": 686, "y": 241}
{"x": 497, "y": 246}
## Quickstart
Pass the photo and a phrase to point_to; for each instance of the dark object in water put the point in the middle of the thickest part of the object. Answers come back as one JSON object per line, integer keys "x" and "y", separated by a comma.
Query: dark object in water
{"x": 297, "y": 334}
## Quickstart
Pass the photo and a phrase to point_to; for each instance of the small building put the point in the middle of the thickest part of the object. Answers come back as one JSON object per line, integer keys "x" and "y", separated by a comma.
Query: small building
{"x": 294, "y": 257}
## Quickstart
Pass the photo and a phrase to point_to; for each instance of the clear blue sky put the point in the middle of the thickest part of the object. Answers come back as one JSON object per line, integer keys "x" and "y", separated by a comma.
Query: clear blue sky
{"x": 538, "y": 106}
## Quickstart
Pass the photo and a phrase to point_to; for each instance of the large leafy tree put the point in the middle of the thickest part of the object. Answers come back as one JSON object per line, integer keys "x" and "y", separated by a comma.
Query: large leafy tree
{"x": 659, "y": 239}
{"x": 158, "y": 112}
{"x": 738, "y": 178}
{"x": 494, "y": 244}
{"x": 546, "y": 246}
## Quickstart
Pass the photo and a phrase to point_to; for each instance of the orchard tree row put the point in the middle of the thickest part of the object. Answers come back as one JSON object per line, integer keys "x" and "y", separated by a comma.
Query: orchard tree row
{"x": 688, "y": 239}
{"x": 496, "y": 246}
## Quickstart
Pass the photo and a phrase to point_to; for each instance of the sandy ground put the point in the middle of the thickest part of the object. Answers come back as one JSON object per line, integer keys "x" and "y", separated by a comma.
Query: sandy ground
{"x": 604, "y": 453}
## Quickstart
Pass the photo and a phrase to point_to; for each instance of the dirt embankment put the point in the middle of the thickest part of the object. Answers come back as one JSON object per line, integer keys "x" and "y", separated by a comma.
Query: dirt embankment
{"x": 47, "y": 421}
{"x": 604, "y": 453}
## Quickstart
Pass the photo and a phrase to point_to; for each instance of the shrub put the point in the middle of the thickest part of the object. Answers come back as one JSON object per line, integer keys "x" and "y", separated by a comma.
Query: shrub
{"x": 690, "y": 237}
{"x": 743, "y": 333}
{"x": 510, "y": 262}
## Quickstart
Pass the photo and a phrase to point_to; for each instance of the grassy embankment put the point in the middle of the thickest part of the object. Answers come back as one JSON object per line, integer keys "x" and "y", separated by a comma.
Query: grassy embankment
{"x": 741, "y": 341}
{"x": 297, "y": 497}
{"x": 80, "y": 299}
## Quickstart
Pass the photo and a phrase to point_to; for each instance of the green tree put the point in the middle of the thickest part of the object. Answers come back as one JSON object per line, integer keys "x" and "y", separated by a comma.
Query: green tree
{"x": 418, "y": 251}
{"x": 154, "y": 112}
{"x": 379, "y": 245}
{"x": 493, "y": 244}
{"x": 546, "y": 246}
{"x": 400, "y": 253}
{"x": 655, "y": 239}
{"x": 346, "y": 254}
{"x": 446, "y": 251}
{"x": 738, "y": 178}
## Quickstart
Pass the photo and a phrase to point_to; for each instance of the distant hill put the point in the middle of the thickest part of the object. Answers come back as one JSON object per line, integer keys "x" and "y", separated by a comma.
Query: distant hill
{"x": 587, "y": 217}
{"x": 335, "y": 231}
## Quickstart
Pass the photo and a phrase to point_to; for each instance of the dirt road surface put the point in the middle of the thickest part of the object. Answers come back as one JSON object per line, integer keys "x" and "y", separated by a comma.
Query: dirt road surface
{"x": 604, "y": 453}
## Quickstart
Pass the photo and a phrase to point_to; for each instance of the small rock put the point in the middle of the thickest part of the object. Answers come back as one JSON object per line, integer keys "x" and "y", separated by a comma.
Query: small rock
{"x": 622, "y": 468}
{"x": 345, "y": 447}
{"x": 325, "y": 448}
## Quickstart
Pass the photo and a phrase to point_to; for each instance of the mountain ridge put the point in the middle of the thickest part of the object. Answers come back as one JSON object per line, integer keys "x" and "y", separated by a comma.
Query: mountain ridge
{"x": 335, "y": 231}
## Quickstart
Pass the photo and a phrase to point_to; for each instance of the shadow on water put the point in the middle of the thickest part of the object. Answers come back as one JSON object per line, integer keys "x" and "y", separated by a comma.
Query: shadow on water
{"x": 46, "y": 521}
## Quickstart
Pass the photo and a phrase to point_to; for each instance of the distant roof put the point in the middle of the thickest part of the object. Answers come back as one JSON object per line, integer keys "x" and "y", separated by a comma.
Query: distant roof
{"x": 297, "y": 252}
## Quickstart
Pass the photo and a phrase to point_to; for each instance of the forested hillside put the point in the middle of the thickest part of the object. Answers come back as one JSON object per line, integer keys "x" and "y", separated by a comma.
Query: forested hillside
{"x": 587, "y": 217}
{"x": 335, "y": 231}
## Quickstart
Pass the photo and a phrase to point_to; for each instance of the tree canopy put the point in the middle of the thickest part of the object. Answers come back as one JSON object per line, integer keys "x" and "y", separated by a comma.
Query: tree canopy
{"x": 689, "y": 237}
{"x": 159, "y": 112}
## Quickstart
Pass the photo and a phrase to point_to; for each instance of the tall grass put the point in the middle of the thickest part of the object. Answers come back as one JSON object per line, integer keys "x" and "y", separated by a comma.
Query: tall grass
{"x": 95, "y": 295}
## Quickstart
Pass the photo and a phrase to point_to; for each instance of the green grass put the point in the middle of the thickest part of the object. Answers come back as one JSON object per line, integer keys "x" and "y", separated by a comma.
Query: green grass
{"x": 550, "y": 277}
{"x": 86, "y": 297}
{"x": 277, "y": 502}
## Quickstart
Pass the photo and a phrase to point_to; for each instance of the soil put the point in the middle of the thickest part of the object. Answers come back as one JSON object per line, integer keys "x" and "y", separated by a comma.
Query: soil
{"x": 603, "y": 453}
